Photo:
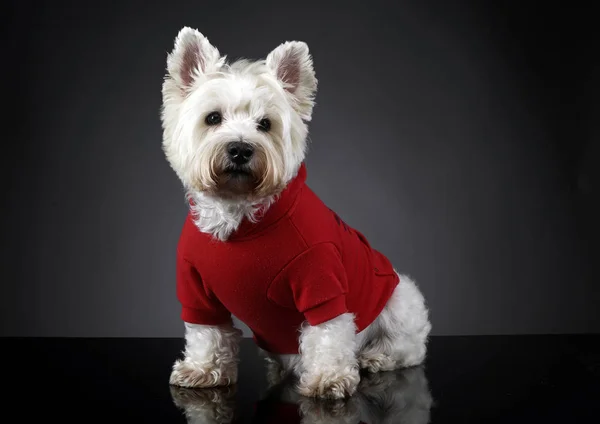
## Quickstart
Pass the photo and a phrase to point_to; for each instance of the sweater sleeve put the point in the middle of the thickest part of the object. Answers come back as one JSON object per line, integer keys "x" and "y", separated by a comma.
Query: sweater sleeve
{"x": 198, "y": 306}
{"x": 314, "y": 283}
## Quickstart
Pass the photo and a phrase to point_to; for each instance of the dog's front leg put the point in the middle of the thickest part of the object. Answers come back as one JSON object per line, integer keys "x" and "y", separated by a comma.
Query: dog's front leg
{"x": 328, "y": 364}
{"x": 210, "y": 357}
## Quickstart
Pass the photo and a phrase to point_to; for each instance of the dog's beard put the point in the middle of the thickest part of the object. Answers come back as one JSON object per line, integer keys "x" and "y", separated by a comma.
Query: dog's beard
{"x": 260, "y": 178}
{"x": 237, "y": 180}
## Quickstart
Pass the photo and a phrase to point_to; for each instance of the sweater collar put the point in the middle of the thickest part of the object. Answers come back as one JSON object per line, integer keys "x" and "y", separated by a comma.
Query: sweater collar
{"x": 277, "y": 210}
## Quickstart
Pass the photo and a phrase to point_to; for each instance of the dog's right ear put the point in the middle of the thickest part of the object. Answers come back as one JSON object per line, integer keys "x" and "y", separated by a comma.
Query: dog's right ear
{"x": 292, "y": 65}
{"x": 192, "y": 57}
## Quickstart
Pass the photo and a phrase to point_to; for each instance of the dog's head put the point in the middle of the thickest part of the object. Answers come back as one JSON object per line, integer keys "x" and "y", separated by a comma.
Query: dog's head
{"x": 236, "y": 130}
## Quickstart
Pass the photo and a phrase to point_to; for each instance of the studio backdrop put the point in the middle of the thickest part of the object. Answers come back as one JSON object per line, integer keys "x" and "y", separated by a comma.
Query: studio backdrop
{"x": 457, "y": 136}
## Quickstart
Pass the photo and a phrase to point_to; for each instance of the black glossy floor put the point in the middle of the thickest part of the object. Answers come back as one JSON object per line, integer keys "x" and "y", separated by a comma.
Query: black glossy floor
{"x": 501, "y": 379}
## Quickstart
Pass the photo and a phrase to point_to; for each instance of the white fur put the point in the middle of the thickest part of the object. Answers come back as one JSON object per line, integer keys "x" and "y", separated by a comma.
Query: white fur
{"x": 281, "y": 88}
{"x": 210, "y": 357}
{"x": 221, "y": 217}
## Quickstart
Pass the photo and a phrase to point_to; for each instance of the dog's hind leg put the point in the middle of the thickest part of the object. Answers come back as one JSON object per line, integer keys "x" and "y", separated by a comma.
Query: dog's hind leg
{"x": 398, "y": 337}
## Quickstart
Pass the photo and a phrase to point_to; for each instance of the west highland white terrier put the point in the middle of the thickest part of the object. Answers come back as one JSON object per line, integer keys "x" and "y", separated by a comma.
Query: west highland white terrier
{"x": 258, "y": 244}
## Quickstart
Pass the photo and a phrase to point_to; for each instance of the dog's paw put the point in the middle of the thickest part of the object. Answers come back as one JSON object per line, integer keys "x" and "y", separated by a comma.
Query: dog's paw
{"x": 186, "y": 374}
{"x": 330, "y": 384}
{"x": 376, "y": 362}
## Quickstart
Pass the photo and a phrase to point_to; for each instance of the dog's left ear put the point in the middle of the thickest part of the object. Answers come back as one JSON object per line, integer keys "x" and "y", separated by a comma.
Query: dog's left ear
{"x": 292, "y": 64}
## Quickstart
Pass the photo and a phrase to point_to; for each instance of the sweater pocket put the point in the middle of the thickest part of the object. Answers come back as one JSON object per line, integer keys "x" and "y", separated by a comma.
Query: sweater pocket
{"x": 381, "y": 265}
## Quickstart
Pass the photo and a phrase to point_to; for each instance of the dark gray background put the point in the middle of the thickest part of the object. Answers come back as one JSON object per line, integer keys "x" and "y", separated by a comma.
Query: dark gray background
{"x": 460, "y": 137}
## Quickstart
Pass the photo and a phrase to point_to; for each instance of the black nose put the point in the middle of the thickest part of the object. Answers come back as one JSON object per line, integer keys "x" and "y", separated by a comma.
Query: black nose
{"x": 240, "y": 152}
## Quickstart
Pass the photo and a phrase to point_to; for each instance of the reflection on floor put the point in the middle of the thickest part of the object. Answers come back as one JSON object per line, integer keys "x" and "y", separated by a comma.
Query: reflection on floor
{"x": 391, "y": 397}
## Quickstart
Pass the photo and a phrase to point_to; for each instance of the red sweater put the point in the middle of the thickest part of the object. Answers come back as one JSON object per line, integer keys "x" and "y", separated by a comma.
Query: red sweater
{"x": 299, "y": 262}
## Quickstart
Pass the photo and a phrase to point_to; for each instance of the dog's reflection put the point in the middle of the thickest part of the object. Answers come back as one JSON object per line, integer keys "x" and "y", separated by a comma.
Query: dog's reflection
{"x": 395, "y": 397}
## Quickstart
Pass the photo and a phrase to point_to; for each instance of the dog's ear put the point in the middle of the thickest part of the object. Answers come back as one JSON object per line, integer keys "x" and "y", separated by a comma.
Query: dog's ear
{"x": 292, "y": 64}
{"x": 192, "y": 57}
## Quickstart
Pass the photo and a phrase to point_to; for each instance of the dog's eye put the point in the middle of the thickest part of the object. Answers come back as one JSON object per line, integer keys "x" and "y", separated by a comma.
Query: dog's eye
{"x": 213, "y": 118}
{"x": 264, "y": 124}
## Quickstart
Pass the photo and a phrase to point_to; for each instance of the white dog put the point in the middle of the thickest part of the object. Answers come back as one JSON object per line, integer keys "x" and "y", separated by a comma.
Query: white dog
{"x": 258, "y": 244}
